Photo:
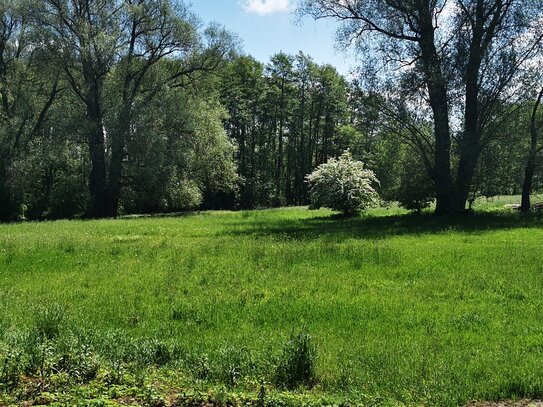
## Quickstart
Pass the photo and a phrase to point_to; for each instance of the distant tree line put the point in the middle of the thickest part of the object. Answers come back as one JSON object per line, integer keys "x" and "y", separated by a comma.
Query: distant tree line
{"x": 112, "y": 107}
{"x": 286, "y": 118}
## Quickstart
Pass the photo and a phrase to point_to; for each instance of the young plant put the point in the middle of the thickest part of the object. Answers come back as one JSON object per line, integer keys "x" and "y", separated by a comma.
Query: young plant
{"x": 296, "y": 366}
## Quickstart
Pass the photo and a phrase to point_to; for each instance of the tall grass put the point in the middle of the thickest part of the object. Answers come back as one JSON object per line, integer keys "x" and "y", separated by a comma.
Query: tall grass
{"x": 401, "y": 309}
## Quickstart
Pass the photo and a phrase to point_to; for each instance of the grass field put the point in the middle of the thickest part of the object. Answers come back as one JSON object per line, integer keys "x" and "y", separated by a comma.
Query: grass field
{"x": 401, "y": 309}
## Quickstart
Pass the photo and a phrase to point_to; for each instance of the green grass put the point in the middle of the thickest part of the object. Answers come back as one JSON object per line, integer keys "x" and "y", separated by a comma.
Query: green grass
{"x": 402, "y": 309}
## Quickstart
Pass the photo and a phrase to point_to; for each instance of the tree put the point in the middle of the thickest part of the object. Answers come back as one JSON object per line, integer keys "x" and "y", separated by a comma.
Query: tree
{"x": 536, "y": 123}
{"x": 86, "y": 36}
{"x": 28, "y": 89}
{"x": 241, "y": 91}
{"x": 461, "y": 51}
{"x": 178, "y": 156}
{"x": 344, "y": 185}
{"x": 108, "y": 50}
{"x": 285, "y": 119}
{"x": 281, "y": 77}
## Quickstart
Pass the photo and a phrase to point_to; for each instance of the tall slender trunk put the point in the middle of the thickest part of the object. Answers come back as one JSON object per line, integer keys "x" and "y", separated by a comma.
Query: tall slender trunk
{"x": 97, "y": 176}
{"x": 529, "y": 171}
{"x": 279, "y": 173}
{"x": 437, "y": 91}
{"x": 470, "y": 142}
{"x": 532, "y": 156}
{"x": 301, "y": 152}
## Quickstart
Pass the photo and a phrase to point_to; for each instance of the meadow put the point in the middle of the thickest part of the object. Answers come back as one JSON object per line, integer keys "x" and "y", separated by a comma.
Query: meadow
{"x": 203, "y": 309}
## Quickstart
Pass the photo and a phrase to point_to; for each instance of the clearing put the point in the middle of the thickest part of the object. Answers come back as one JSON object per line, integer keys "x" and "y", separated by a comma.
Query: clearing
{"x": 402, "y": 309}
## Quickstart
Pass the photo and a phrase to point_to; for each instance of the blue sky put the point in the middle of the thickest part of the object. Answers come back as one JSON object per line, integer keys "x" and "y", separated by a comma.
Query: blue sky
{"x": 267, "y": 27}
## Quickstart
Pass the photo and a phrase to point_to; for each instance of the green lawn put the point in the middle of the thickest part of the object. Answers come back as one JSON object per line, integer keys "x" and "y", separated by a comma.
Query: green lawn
{"x": 402, "y": 309}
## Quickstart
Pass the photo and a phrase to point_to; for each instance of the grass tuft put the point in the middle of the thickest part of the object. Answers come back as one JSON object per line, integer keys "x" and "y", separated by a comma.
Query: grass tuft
{"x": 296, "y": 365}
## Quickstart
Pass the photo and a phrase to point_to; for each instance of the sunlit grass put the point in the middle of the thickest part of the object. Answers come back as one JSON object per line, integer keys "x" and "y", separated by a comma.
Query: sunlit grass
{"x": 402, "y": 309}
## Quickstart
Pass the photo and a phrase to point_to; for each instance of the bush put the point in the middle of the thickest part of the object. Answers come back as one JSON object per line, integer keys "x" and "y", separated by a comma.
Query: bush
{"x": 416, "y": 190}
{"x": 297, "y": 363}
{"x": 343, "y": 185}
{"x": 10, "y": 368}
{"x": 184, "y": 194}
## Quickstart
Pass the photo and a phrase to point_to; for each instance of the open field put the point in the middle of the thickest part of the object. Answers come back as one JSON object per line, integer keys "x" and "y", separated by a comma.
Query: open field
{"x": 402, "y": 309}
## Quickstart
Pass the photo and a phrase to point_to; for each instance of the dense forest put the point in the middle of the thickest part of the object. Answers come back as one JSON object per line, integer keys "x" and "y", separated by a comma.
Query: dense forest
{"x": 111, "y": 107}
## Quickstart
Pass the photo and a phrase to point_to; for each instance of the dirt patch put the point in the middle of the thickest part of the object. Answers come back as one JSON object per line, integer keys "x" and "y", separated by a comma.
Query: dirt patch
{"x": 507, "y": 403}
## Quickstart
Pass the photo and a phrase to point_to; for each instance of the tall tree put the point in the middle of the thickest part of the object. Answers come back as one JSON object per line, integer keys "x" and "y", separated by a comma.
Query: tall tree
{"x": 114, "y": 46}
{"x": 86, "y": 36}
{"x": 536, "y": 123}
{"x": 242, "y": 87}
{"x": 443, "y": 41}
{"x": 28, "y": 88}
{"x": 281, "y": 78}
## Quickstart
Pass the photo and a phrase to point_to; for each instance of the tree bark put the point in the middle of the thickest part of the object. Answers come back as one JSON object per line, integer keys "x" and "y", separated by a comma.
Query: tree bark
{"x": 437, "y": 92}
{"x": 527, "y": 185}
{"x": 532, "y": 155}
{"x": 97, "y": 176}
{"x": 470, "y": 147}
{"x": 115, "y": 166}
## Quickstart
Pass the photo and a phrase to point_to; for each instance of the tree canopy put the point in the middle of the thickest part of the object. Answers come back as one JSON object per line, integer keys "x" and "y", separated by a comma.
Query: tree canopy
{"x": 112, "y": 107}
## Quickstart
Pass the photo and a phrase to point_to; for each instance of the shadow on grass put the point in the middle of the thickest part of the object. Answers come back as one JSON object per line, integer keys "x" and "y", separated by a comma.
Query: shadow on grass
{"x": 380, "y": 227}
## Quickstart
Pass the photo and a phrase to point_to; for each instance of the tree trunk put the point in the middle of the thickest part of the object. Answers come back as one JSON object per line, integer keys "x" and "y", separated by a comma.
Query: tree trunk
{"x": 470, "y": 144}
{"x": 469, "y": 158}
{"x": 115, "y": 174}
{"x": 530, "y": 163}
{"x": 527, "y": 185}
{"x": 97, "y": 176}
{"x": 437, "y": 91}
{"x": 442, "y": 177}
{"x": 279, "y": 173}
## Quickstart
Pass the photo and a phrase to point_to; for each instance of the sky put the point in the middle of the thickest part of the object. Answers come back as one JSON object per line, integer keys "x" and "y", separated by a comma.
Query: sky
{"x": 268, "y": 26}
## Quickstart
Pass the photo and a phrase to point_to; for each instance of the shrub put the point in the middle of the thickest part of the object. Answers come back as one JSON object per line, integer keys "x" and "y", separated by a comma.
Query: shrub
{"x": 297, "y": 362}
{"x": 343, "y": 185}
{"x": 10, "y": 368}
{"x": 183, "y": 194}
{"x": 416, "y": 190}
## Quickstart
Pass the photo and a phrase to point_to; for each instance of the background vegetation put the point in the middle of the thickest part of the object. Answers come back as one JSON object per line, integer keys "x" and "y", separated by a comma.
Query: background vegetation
{"x": 131, "y": 106}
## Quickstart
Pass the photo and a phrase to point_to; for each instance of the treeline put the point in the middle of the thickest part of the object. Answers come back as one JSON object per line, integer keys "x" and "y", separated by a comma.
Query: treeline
{"x": 285, "y": 118}
{"x": 128, "y": 106}
{"x": 108, "y": 107}
{"x": 112, "y": 107}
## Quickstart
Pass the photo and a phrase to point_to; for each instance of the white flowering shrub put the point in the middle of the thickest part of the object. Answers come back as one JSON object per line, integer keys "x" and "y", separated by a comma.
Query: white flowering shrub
{"x": 342, "y": 184}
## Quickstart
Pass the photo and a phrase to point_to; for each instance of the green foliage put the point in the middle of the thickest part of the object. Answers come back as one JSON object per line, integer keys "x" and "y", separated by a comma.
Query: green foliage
{"x": 180, "y": 156}
{"x": 297, "y": 362}
{"x": 183, "y": 194}
{"x": 285, "y": 119}
{"x": 344, "y": 185}
{"x": 10, "y": 368}
{"x": 416, "y": 190}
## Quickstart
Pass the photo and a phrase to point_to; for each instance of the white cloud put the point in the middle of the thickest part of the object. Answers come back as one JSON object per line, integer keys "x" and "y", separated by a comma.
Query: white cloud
{"x": 265, "y": 7}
